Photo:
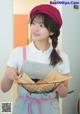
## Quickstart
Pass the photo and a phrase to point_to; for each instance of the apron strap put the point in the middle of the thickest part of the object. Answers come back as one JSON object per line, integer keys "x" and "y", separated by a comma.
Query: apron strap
{"x": 24, "y": 52}
{"x": 39, "y": 100}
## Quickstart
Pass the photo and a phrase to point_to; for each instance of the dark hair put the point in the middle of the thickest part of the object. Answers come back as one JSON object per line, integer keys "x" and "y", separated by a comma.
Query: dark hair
{"x": 52, "y": 26}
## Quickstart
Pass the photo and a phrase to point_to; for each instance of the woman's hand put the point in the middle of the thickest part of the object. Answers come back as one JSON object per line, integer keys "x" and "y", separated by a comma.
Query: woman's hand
{"x": 62, "y": 89}
{"x": 11, "y": 74}
{"x": 59, "y": 87}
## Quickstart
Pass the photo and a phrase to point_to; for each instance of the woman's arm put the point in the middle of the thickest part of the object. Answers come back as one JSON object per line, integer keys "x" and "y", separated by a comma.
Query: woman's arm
{"x": 62, "y": 89}
{"x": 10, "y": 75}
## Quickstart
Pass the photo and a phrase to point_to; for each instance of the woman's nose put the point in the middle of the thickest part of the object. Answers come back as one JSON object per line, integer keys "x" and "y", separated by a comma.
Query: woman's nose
{"x": 36, "y": 27}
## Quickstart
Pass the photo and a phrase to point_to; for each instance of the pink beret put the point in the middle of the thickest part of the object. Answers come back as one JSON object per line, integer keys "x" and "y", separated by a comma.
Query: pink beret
{"x": 49, "y": 10}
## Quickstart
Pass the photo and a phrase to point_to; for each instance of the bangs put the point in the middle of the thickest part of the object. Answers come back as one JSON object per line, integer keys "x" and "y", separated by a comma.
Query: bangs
{"x": 39, "y": 17}
{"x": 48, "y": 22}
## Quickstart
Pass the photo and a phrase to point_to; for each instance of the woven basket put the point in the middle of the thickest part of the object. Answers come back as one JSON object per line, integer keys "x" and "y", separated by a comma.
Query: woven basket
{"x": 44, "y": 88}
{"x": 54, "y": 79}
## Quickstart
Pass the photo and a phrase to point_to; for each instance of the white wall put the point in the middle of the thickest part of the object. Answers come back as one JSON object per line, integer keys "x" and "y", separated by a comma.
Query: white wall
{"x": 71, "y": 44}
{"x": 6, "y": 41}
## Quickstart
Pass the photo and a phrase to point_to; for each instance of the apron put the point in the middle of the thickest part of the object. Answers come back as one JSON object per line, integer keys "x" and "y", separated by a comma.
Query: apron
{"x": 35, "y": 103}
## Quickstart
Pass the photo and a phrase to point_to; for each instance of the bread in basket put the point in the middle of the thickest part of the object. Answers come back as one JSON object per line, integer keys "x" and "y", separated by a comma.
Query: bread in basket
{"x": 48, "y": 84}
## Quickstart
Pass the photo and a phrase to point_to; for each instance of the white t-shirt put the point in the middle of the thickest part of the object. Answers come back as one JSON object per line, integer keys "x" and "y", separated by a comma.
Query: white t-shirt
{"x": 35, "y": 55}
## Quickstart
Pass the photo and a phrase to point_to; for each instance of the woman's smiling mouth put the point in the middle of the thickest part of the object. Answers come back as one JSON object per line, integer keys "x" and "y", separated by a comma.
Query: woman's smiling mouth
{"x": 35, "y": 34}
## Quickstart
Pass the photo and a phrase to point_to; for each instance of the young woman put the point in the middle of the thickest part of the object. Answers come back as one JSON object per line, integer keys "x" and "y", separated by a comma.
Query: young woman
{"x": 37, "y": 60}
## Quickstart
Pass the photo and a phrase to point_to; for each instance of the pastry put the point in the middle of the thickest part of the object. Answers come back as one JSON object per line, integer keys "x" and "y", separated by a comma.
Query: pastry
{"x": 41, "y": 82}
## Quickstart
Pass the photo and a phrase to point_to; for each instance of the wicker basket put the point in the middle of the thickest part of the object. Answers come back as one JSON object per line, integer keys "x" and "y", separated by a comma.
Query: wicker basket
{"x": 54, "y": 79}
{"x": 42, "y": 88}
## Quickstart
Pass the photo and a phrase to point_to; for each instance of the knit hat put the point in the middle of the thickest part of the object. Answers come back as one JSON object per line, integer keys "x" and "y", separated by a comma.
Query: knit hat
{"x": 49, "y": 10}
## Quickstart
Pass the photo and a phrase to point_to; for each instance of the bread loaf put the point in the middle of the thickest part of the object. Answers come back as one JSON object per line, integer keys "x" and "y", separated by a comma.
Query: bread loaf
{"x": 41, "y": 82}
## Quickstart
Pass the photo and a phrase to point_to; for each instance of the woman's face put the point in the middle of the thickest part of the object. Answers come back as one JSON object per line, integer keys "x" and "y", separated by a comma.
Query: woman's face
{"x": 38, "y": 30}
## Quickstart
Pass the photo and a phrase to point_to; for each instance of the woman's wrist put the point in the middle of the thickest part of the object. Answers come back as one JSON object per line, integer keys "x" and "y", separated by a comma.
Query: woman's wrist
{"x": 62, "y": 90}
{"x": 60, "y": 86}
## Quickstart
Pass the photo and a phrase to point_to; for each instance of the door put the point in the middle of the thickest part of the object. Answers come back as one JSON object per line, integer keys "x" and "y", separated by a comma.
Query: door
{"x": 71, "y": 45}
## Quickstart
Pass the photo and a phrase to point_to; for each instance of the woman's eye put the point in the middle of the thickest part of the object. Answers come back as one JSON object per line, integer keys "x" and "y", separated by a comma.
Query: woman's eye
{"x": 33, "y": 23}
{"x": 41, "y": 25}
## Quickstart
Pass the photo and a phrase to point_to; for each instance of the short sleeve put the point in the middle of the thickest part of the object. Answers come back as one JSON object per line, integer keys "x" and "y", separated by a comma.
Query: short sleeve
{"x": 14, "y": 58}
{"x": 64, "y": 66}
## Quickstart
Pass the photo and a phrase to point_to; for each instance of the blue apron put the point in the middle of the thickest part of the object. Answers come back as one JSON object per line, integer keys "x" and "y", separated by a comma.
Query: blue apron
{"x": 35, "y": 103}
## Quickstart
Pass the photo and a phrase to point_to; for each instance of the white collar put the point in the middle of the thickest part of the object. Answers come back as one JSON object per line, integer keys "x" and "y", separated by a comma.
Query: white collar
{"x": 34, "y": 49}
